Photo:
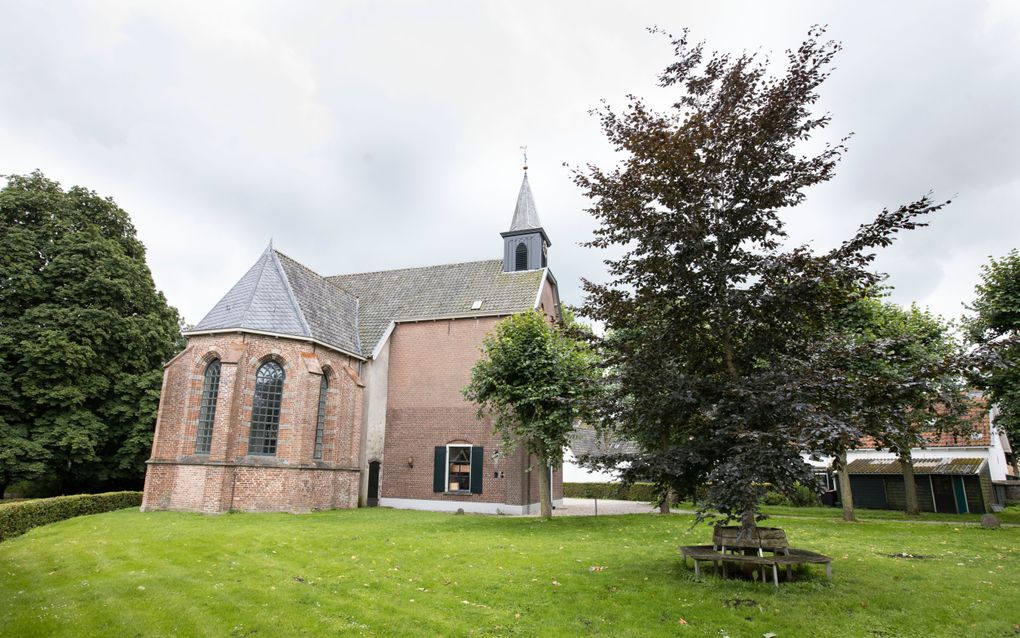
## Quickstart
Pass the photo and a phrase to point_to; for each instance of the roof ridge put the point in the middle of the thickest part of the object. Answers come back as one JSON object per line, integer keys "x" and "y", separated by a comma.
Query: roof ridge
{"x": 295, "y": 304}
{"x": 258, "y": 280}
{"x": 325, "y": 278}
{"x": 395, "y": 270}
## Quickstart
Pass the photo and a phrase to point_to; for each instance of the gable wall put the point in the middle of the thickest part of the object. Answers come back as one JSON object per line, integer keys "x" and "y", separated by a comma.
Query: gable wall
{"x": 429, "y": 363}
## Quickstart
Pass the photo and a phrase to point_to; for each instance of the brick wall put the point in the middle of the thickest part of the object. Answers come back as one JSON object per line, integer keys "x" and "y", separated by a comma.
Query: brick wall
{"x": 430, "y": 362}
{"x": 228, "y": 477}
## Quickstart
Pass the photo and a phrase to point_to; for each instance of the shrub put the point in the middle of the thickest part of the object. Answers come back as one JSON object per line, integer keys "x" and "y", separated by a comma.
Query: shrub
{"x": 611, "y": 491}
{"x": 17, "y": 518}
{"x": 41, "y": 487}
{"x": 802, "y": 496}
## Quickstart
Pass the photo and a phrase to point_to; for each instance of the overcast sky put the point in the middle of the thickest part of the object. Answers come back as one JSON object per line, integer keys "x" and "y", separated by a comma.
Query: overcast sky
{"x": 376, "y": 135}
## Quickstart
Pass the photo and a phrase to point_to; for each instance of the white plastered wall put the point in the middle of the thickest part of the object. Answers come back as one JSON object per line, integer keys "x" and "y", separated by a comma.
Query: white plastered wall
{"x": 375, "y": 374}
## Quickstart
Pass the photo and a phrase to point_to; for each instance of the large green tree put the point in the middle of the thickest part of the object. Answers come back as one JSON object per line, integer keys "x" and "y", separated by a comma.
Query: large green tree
{"x": 83, "y": 335}
{"x": 716, "y": 322}
{"x": 994, "y": 326}
{"x": 904, "y": 370}
{"x": 536, "y": 380}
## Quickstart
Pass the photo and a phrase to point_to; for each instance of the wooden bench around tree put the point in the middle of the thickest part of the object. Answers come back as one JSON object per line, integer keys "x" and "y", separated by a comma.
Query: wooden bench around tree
{"x": 732, "y": 547}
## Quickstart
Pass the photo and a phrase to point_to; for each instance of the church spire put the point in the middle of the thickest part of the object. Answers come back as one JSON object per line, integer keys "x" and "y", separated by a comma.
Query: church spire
{"x": 525, "y": 214}
{"x": 525, "y": 245}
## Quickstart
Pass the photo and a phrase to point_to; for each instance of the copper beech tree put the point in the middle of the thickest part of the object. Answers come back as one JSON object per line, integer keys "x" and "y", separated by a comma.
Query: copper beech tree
{"x": 716, "y": 329}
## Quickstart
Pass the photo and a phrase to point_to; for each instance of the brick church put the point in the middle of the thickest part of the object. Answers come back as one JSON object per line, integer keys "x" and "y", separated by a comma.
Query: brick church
{"x": 299, "y": 391}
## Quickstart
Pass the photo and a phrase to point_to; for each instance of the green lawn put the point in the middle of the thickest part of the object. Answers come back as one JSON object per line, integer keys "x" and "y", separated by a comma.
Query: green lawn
{"x": 386, "y": 572}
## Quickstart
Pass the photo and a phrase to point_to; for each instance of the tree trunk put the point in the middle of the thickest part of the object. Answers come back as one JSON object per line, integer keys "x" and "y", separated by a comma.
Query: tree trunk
{"x": 909, "y": 483}
{"x": 748, "y": 524}
{"x": 544, "y": 488}
{"x": 846, "y": 495}
{"x": 666, "y": 501}
{"x": 3, "y": 488}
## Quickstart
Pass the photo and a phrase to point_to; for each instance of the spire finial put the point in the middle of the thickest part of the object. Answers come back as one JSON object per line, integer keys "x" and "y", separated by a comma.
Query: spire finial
{"x": 524, "y": 150}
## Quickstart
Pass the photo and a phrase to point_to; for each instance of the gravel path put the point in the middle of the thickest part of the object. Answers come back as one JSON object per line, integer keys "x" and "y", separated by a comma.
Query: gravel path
{"x": 586, "y": 507}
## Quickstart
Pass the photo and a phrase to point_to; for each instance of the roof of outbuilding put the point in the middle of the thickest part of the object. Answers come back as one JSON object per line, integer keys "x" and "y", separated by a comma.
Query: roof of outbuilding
{"x": 957, "y": 466}
{"x": 432, "y": 292}
{"x": 280, "y": 296}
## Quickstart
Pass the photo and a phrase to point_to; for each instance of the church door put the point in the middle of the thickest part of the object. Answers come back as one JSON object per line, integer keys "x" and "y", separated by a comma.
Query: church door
{"x": 373, "y": 483}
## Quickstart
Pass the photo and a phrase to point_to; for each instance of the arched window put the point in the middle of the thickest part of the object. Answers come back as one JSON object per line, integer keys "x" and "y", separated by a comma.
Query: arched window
{"x": 320, "y": 419}
{"x": 207, "y": 410}
{"x": 521, "y": 257}
{"x": 265, "y": 409}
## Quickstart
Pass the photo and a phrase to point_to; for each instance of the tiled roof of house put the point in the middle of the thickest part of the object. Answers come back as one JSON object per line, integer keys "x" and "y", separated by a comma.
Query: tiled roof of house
{"x": 448, "y": 290}
{"x": 280, "y": 296}
{"x": 958, "y": 466}
{"x": 980, "y": 435}
{"x": 586, "y": 441}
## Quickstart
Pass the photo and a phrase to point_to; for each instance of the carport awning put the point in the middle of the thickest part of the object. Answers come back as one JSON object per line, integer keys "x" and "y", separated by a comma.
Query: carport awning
{"x": 952, "y": 466}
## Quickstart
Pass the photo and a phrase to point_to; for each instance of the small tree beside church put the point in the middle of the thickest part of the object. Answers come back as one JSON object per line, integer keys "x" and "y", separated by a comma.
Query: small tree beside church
{"x": 536, "y": 381}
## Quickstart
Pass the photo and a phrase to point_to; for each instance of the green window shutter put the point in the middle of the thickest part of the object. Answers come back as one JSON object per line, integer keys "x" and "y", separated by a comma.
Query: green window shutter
{"x": 439, "y": 471}
{"x": 476, "y": 469}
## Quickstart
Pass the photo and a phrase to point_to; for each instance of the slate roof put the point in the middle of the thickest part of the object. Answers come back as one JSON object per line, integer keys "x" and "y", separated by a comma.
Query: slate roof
{"x": 331, "y": 312}
{"x": 956, "y": 466}
{"x": 588, "y": 441}
{"x": 447, "y": 290}
{"x": 525, "y": 213}
{"x": 280, "y": 296}
{"x": 351, "y": 312}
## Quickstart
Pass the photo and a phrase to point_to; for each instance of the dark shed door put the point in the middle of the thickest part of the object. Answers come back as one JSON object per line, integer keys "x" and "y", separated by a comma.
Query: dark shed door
{"x": 869, "y": 492}
{"x": 373, "y": 483}
{"x": 942, "y": 490}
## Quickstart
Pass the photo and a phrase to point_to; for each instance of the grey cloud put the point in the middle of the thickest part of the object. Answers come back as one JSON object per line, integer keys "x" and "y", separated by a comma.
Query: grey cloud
{"x": 367, "y": 135}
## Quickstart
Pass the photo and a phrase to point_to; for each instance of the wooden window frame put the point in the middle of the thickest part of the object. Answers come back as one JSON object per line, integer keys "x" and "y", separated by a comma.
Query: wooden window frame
{"x": 449, "y": 462}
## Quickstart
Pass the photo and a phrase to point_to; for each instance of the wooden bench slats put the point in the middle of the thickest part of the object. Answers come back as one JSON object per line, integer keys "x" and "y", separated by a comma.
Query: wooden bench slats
{"x": 788, "y": 558}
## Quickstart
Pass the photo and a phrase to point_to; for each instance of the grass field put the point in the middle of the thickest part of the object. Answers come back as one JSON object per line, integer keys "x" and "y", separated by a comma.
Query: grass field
{"x": 400, "y": 573}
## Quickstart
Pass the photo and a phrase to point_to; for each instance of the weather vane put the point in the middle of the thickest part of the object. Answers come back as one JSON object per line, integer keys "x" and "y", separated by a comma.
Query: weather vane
{"x": 524, "y": 149}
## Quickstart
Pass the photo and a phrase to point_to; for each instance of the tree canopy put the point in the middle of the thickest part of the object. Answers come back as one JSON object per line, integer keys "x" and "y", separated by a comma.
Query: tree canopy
{"x": 903, "y": 373}
{"x": 83, "y": 336}
{"x": 994, "y": 326}
{"x": 536, "y": 381}
{"x": 716, "y": 324}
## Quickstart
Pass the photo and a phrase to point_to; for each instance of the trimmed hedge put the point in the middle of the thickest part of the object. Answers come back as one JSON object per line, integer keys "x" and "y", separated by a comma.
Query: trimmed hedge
{"x": 611, "y": 491}
{"x": 19, "y": 517}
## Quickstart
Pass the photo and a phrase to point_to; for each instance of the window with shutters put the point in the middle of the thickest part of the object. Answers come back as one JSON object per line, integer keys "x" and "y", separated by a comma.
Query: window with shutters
{"x": 265, "y": 409}
{"x": 521, "y": 257}
{"x": 207, "y": 410}
{"x": 458, "y": 468}
{"x": 320, "y": 419}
